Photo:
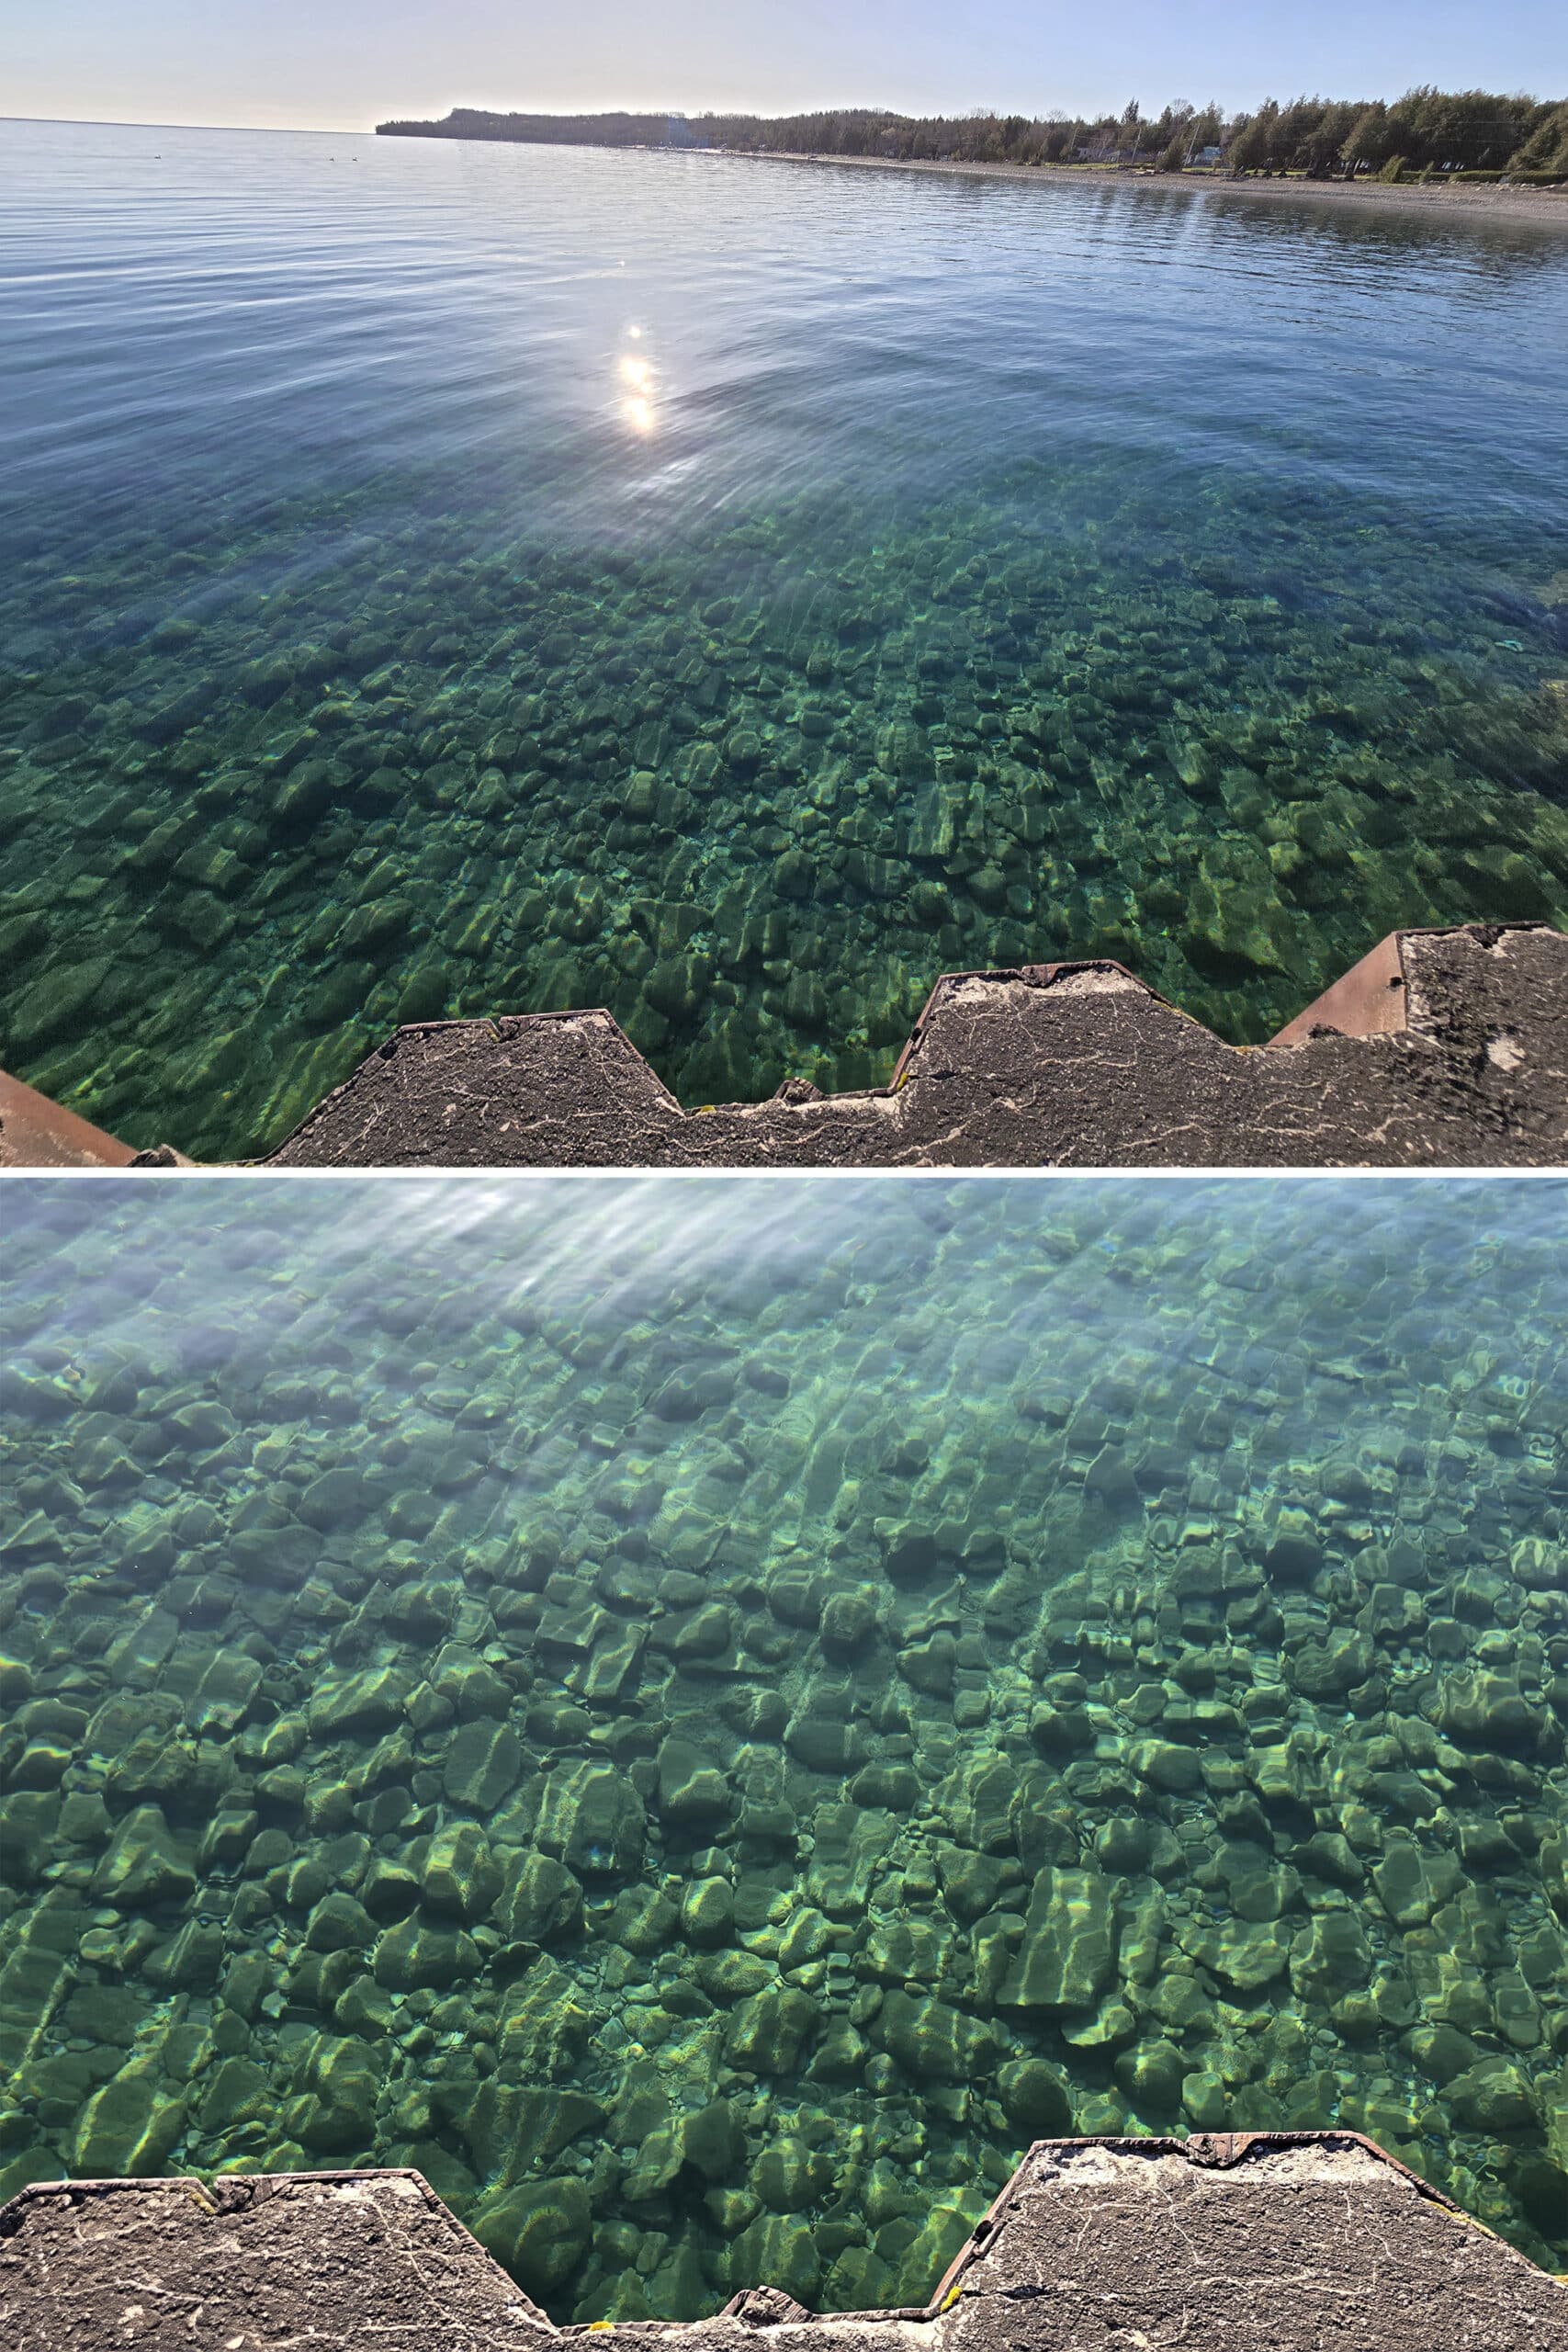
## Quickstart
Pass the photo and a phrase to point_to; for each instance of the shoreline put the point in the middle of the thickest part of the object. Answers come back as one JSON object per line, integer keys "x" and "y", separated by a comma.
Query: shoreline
{"x": 1548, "y": 206}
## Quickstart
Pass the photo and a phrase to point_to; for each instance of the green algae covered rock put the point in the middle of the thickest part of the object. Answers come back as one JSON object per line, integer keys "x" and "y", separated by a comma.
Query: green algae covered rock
{"x": 707, "y": 1912}
{"x": 372, "y": 1700}
{"x": 789, "y": 2175}
{"x": 337, "y": 1923}
{"x": 1411, "y": 1884}
{"x": 841, "y": 2054}
{"x": 1294, "y": 1554}
{"x": 933, "y": 2042}
{"x": 970, "y": 1883}
{"x": 483, "y": 1762}
{"x": 540, "y": 2232}
{"x": 642, "y": 1920}
{"x": 1151, "y": 2073}
{"x": 1494, "y": 2095}
{"x": 1329, "y": 1956}
{"x": 471, "y": 1686}
{"x": 1539, "y": 1566}
{"x": 129, "y": 2126}
{"x": 895, "y": 1950}
{"x": 768, "y": 2033}
{"x": 1480, "y": 1708}
{"x": 778, "y": 2250}
{"x": 1206, "y": 2102}
{"x": 1246, "y": 1955}
{"x": 544, "y": 2025}
{"x": 849, "y": 1622}
{"x": 941, "y": 2236}
{"x": 1067, "y": 1957}
{"x": 593, "y": 1821}
{"x": 713, "y": 2140}
{"x": 28, "y": 1821}
{"x": 336, "y": 2111}
{"x": 1034, "y": 2097}
{"x": 415, "y": 1953}
{"x": 1177, "y": 1771}
{"x": 189, "y": 1961}
{"x": 236, "y": 2092}
{"x": 144, "y": 1865}
{"x": 543, "y": 1899}
{"x": 458, "y": 1875}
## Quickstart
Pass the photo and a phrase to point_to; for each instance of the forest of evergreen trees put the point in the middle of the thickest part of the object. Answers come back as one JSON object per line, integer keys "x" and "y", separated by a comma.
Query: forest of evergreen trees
{"x": 1425, "y": 133}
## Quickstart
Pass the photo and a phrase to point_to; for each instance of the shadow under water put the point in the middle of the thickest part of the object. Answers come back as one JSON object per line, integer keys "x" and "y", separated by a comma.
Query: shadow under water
{"x": 705, "y": 1737}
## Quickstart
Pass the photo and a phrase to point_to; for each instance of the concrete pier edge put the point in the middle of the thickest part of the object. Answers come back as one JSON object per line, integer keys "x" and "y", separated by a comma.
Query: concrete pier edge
{"x": 1439, "y": 1049}
{"x": 1252, "y": 2242}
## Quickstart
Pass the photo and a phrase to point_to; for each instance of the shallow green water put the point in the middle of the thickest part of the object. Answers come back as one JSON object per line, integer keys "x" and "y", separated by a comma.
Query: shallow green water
{"x": 706, "y": 1716}
{"x": 978, "y": 575}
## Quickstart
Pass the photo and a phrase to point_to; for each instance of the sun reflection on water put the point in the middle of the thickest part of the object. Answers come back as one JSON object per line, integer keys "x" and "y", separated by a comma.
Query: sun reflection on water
{"x": 637, "y": 400}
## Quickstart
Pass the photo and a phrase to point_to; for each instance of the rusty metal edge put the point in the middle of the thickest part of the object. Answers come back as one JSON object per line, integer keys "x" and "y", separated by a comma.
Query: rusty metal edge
{"x": 47, "y": 1127}
{"x": 1354, "y": 1005}
{"x": 1374, "y": 980}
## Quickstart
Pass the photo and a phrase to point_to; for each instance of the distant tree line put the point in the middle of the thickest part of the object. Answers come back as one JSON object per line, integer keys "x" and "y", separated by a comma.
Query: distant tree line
{"x": 1424, "y": 133}
{"x": 552, "y": 129}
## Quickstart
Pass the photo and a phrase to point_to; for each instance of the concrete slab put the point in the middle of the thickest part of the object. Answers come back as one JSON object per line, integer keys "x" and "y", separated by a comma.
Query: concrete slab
{"x": 1267, "y": 2243}
{"x": 1449, "y": 1049}
{"x": 1440, "y": 1049}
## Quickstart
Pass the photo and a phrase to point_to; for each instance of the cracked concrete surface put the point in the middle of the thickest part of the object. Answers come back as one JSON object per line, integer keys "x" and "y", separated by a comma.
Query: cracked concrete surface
{"x": 1272, "y": 2243}
{"x": 1444, "y": 1049}
{"x": 281, "y": 2260}
{"x": 1072, "y": 1065}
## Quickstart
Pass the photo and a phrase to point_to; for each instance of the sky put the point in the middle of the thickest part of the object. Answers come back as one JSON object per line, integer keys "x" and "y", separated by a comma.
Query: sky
{"x": 347, "y": 65}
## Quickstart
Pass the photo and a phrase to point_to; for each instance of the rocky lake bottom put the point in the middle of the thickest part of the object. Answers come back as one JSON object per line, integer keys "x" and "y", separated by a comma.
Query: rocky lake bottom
{"x": 491, "y": 580}
{"x": 704, "y": 1719}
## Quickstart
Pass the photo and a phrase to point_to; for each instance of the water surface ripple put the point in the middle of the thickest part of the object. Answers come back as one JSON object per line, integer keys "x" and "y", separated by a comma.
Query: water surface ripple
{"x": 448, "y": 579}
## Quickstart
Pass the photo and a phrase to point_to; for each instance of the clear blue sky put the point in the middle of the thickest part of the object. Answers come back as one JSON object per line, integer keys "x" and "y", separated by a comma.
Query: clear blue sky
{"x": 347, "y": 64}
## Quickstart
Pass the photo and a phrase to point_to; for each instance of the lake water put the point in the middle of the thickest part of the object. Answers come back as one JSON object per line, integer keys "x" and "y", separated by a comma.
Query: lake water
{"x": 705, "y": 1732}
{"x": 450, "y": 579}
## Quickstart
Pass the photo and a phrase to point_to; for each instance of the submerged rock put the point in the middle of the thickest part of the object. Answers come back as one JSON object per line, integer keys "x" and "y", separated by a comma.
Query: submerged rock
{"x": 593, "y": 1821}
{"x": 1035, "y": 2097}
{"x": 130, "y": 2125}
{"x": 541, "y": 2233}
{"x": 145, "y": 1864}
{"x": 750, "y": 1827}
{"x": 1067, "y": 1957}
{"x": 769, "y": 2033}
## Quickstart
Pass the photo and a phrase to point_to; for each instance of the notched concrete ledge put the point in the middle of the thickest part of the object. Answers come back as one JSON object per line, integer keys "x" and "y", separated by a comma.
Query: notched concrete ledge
{"x": 1439, "y": 1049}
{"x": 1248, "y": 2243}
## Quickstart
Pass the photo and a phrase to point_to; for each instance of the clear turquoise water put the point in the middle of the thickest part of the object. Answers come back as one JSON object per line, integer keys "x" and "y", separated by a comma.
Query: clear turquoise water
{"x": 705, "y": 1717}
{"x": 981, "y": 574}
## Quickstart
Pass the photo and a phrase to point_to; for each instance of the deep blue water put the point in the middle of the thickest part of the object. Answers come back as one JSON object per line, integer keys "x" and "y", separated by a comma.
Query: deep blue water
{"x": 450, "y": 578}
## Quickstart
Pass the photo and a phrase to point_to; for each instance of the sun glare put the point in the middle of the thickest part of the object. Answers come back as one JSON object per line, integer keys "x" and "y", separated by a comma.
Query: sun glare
{"x": 636, "y": 375}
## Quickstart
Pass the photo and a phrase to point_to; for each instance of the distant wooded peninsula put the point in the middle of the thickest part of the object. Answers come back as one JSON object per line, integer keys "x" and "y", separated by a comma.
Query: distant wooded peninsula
{"x": 1426, "y": 134}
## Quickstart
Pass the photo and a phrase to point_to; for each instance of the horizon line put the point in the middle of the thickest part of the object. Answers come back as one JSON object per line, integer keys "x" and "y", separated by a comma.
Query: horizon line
{"x": 370, "y": 131}
{"x": 124, "y": 122}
